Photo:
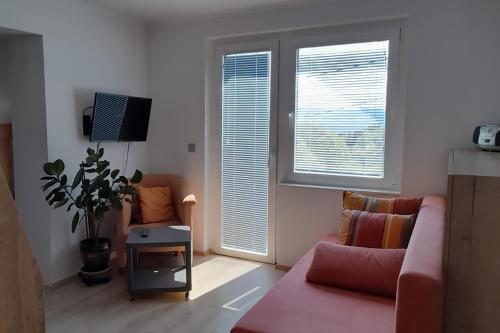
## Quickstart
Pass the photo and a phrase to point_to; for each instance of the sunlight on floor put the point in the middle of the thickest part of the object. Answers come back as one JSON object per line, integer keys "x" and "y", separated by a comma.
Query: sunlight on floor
{"x": 216, "y": 272}
{"x": 243, "y": 301}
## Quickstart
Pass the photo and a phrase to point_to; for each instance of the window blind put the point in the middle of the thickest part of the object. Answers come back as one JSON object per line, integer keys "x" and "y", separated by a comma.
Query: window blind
{"x": 340, "y": 109}
{"x": 245, "y": 151}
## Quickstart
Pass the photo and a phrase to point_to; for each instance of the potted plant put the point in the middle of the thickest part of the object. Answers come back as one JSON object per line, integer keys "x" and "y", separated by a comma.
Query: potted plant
{"x": 92, "y": 193}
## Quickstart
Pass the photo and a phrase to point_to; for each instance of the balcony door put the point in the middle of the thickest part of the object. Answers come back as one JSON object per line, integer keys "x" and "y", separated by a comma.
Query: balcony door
{"x": 247, "y": 106}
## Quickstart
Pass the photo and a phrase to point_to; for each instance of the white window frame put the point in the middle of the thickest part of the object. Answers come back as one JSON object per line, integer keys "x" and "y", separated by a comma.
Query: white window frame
{"x": 221, "y": 48}
{"x": 394, "y": 129}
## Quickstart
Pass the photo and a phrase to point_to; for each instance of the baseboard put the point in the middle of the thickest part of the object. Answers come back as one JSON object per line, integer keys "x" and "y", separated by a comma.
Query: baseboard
{"x": 203, "y": 253}
{"x": 282, "y": 268}
{"x": 63, "y": 281}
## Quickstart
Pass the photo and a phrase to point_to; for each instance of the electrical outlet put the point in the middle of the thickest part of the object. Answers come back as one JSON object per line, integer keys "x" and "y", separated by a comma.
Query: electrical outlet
{"x": 191, "y": 147}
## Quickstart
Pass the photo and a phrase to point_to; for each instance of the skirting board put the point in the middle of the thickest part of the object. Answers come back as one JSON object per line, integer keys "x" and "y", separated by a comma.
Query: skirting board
{"x": 202, "y": 253}
{"x": 282, "y": 268}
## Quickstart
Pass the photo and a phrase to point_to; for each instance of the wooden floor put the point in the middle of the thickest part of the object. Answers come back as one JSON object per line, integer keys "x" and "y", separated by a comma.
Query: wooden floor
{"x": 223, "y": 290}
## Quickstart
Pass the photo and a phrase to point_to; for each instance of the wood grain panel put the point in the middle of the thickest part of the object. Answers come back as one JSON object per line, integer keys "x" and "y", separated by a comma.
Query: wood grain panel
{"x": 458, "y": 261}
{"x": 473, "y": 261}
{"x": 485, "y": 266}
{"x": 21, "y": 287}
{"x": 6, "y": 154}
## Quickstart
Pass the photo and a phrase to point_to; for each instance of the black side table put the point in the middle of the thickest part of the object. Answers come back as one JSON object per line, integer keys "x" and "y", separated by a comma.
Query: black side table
{"x": 158, "y": 279}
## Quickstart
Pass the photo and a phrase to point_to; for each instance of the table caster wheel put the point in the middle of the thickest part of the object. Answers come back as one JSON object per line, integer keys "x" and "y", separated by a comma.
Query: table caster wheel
{"x": 186, "y": 296}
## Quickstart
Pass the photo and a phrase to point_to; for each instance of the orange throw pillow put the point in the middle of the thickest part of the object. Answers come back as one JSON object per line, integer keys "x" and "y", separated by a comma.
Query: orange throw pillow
{"x": 157, "y": 204}
{"x": 400, "y": 206}
{"x": 379, "y": 230}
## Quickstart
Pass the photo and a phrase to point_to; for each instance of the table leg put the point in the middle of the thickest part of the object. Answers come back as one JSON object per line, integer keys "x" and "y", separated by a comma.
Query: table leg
{"x": 130, "y": 270}
{"x": 188, "y": 267}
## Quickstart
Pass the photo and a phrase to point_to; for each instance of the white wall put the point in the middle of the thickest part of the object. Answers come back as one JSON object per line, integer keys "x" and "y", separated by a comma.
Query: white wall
{"x": 85, "y": 49}
{"x": 452, "y": 85}
{"x": 29, "y": 139}
{"x": 5, "y": 115}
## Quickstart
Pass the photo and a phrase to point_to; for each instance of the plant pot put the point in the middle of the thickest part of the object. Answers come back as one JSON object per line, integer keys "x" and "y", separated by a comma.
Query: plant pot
{"x": 95, "y": 255}
{"x": 93, "y": 277}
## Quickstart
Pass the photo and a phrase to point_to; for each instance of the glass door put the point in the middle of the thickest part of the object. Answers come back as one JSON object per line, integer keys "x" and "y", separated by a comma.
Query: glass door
{"x": 247, "y": 154}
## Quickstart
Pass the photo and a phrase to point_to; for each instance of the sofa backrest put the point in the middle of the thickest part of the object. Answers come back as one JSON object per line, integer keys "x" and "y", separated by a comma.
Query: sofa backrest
{"x": 419, "y": 298}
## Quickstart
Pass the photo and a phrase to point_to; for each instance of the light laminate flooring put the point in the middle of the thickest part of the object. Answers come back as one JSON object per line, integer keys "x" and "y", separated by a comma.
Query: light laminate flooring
{"x": 224, "y": 289}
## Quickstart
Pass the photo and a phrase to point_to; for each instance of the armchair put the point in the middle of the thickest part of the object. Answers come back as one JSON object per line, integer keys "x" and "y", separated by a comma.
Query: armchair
{"x": 183, "y": 203}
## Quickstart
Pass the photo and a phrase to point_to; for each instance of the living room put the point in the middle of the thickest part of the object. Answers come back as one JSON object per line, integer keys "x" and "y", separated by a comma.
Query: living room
{"x": 434, "y": 79}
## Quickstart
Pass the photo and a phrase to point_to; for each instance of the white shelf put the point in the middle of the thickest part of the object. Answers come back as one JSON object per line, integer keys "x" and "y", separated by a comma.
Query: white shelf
{"x": 474, "y": 162}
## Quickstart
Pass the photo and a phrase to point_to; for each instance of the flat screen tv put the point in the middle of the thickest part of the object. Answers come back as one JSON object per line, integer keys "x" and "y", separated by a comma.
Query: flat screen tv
{"x": 120, "y": 118}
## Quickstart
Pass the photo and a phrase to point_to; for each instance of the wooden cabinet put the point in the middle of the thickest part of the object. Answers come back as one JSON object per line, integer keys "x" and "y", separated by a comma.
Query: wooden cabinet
{"x": 472, "y": 244}
{"x": 6, "y": 154}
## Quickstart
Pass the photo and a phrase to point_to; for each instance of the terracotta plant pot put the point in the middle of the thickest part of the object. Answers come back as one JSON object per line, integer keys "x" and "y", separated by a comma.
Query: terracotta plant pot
{"x": 95, "y": 255}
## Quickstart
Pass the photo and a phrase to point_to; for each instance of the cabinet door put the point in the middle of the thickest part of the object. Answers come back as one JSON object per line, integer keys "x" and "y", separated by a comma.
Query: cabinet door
{"x": 473, "y": 265}
{"x": 485, "y": 253}
{"x": 459, "y": 288}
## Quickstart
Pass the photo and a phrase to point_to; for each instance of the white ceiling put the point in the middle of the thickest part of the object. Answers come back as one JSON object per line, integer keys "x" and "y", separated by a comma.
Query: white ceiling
{"x": 183, "y": 10}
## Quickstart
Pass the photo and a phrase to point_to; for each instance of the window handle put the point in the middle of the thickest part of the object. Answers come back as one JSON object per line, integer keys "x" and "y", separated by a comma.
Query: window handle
{"x": 291, "y": 118}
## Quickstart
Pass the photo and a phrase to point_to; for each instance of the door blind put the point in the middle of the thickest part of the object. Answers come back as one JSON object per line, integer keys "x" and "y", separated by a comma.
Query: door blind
{"x": 340, "y": 109}
{"x": 246, "y": 92}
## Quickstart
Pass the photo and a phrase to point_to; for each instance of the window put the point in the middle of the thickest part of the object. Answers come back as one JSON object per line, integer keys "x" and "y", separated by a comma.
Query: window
{"x": 340, "y": 102}
{"x": 340, "y": 109}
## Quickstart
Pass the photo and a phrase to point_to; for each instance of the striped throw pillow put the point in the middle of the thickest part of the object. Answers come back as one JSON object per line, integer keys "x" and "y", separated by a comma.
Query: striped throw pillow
{"x": 376, "y": 230}
{"x": 401, "y": 206}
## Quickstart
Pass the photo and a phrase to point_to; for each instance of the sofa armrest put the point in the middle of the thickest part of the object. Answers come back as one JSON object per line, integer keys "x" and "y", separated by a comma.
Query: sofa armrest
{"x": 419, "y": 300}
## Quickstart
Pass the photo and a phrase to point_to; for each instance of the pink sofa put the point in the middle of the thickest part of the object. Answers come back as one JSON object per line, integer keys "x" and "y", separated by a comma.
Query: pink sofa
{"x": 296, "y": 306}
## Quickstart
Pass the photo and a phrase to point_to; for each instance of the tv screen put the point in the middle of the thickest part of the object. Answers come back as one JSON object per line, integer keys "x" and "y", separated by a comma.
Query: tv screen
{"x": 120, "y": 118}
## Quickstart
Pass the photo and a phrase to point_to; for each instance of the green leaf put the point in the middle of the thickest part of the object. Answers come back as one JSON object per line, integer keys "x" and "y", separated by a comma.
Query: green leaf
{"x": 91, "y": 159}
{"x": 114, "y": 173}
{"x": 59, "y": 166}
{"x": 49, "y": 168}
{"x": 74, "y": 223}
{"x": 91, "y": 170}
{"x": 101, "y": 165}
{"x": 137, "y": 177}
{"x": 48, "y": 178}
{"x": 61, "y": 203}
{"x": 90, "y": 151}
{"x": 123, "y": 180}
{"x": 69, "y": 206}
{"x": 49, "y": 184}
{"x": 58, "y": 196}
{"x": 105, "y": 173}
{"x": 63, "y": 181}
{"x": 51, "y": 193}
{"x": 96, "y": 183}
{"x": 99, "y": 213}
{"x": 101, "y": 152}
{"x": 78, "y": 179}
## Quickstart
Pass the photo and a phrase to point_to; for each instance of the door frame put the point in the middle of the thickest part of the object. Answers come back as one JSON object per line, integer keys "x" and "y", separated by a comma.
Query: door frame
{"x": 216, "y": 156}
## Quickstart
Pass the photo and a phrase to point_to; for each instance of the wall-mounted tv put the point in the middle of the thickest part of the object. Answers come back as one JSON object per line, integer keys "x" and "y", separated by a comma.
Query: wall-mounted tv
{"x": 120, "y": 118}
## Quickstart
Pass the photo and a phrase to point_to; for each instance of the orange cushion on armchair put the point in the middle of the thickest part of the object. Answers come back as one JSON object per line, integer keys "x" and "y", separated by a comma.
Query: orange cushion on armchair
{"x": 156, "y": 204}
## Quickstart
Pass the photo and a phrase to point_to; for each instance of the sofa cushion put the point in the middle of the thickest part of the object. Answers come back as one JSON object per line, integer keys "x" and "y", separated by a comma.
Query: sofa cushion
{"x": 374, "y": 271}
{"x": 156, "y": 204}
{"x": 294, "y": 305}
{"x": 402, "y": 206}
{"x": 379, "y": 230}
